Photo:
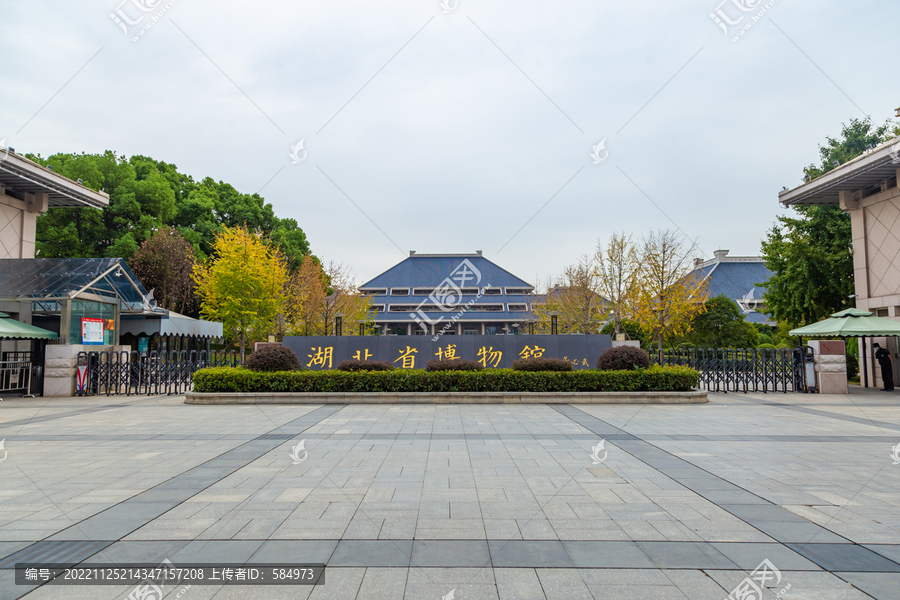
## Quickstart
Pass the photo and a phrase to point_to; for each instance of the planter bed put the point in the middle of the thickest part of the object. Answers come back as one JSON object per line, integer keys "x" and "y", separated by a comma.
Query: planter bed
{"x": 655, "y": 384}
{"x": 692, "y": 397}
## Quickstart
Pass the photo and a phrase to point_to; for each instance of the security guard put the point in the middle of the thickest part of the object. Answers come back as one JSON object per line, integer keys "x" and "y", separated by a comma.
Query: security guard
{"x": 887, "y": 367}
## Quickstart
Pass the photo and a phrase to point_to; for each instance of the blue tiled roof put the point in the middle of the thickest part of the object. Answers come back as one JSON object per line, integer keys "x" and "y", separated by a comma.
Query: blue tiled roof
{"x": 430, "y": 270}
{"x": 736, "y": 280}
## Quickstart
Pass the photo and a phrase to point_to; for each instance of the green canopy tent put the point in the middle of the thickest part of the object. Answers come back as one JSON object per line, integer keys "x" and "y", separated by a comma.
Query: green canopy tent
{"x": 11, "y": 329}
{"x": 854, "y": 323}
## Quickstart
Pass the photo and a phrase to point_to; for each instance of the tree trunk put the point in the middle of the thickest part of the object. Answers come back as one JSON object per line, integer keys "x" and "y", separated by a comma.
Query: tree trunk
{"x": 659, "y": 349}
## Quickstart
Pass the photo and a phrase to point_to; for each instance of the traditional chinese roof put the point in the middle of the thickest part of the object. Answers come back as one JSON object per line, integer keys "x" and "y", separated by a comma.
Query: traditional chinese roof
{"x": 495, "y": 294}
{"x": 422, "y": 270}
{"x": 736, "y": 277}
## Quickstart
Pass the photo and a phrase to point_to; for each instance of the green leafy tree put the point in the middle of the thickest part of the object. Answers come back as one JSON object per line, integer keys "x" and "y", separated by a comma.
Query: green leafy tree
{"x": 631, "y": 329}
{"x": 722, "y": 325}
{"x": 165, "y": 263}
{"x": 146, "y": 195}
{"x": 811, "y": 254}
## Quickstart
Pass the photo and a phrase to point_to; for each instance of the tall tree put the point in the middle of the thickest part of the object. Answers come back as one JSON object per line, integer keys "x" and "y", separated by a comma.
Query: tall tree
{"x": 810, "y": 253}
{"x": 576, "y": 300}
{"x": 242, "y": 285}
{"x": 666, "y": 294}
{"x": 146, "y": 195}
{"x": 616, "y": 265}
{"x": 307, "y": 291}
{"x": 165, "y": 263}
{"x": 722, "y": 325}
{"x": 317, "y": 295}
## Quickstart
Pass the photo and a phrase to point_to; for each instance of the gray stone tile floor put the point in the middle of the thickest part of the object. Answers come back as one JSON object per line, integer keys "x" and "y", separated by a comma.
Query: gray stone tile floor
{"x": 486, "y": 501}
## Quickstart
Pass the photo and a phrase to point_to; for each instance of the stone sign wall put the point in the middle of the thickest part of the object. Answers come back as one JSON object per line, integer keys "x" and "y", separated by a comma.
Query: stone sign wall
{"x": 413, "y": 352}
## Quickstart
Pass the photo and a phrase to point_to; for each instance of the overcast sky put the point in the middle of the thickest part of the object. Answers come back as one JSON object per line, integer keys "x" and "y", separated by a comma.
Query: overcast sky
{"x": 451, "y": 130}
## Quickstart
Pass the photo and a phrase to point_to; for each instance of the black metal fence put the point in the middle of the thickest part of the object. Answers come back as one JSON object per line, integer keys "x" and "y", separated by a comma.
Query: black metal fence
{"x": 132, "y": 373}
{"x": 745, "y": 369}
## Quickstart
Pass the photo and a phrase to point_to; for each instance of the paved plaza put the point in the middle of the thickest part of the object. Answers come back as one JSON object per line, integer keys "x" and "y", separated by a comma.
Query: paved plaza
{"x": 463, "y": 502}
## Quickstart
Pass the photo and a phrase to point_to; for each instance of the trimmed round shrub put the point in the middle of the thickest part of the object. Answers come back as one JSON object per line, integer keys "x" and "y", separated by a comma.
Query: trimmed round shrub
{"x": 456, "y": 364}
{"x": 354, "y": 364}
{"x": 623, "y": 358}
{"x": 541, "y": 364}
{"x": 273, "y": 358}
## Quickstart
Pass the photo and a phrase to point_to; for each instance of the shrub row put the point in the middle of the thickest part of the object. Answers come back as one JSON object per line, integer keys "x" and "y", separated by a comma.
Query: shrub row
{"x": 354, "y": 364}
{"x": 455, "y": 364}
{"x": 656, "y": 378}
{"x": 542, "y": 364}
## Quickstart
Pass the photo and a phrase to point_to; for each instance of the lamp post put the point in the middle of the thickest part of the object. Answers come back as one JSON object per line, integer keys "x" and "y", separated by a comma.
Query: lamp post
{"x": 515, "y": 329}
{"x": 362, "y": 328}
{"x": 553, "y": 316}
{"x": 531, "y": 327}
{"x": 338, "y": 321}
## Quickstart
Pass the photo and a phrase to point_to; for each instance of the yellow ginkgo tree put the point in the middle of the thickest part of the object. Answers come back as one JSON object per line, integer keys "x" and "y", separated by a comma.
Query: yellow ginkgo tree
{"x": 242, "y": 285}
{"x": 665, "y": 293}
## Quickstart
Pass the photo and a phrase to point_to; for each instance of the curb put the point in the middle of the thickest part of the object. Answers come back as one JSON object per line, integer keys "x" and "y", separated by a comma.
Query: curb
{"x": 692, "y": 397}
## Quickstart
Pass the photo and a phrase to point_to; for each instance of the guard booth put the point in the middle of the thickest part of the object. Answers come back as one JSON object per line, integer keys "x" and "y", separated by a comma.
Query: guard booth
{"x": 83, "y": 305}
{"x": 21, "y": 371}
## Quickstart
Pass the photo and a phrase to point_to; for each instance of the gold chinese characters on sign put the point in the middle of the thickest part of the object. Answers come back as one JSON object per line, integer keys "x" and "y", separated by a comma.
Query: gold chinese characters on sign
{"x": 408, "y": 358}
{"x": 528, "y": 352}
{"x": 358, "y": 354}
{"x": 488, "y": 357}
{"x": 449, "y": 353}
{"x": 320, "y": 356}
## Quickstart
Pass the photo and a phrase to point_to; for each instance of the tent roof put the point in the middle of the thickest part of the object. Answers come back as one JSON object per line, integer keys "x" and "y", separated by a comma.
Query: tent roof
{"x": 852, "y": 322}
{"x": 14, "y": 330}
{"x": 41, "y": 278}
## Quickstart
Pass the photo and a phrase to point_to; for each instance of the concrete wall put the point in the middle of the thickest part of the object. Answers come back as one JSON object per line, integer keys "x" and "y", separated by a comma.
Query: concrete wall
{"x": 60, "y": 366}
{"x": 831, "y": 366}
{"x": 876, "y": 262}
{"x": 18, "y": 223}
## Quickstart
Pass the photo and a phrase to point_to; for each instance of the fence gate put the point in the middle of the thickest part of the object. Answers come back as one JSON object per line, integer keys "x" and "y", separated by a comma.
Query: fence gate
{"x": 747, "y": 369}
{"x": 131, "y": 373}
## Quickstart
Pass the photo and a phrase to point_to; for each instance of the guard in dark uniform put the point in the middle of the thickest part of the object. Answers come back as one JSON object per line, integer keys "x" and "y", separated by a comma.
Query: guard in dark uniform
{"x": 887, "y": 367}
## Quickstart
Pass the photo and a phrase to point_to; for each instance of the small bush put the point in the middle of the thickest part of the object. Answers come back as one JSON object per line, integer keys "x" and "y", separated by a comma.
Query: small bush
{"x": 354, "y": 364}
{"x": 456, "y": 364}
{"x": 541, "y": 364}
{"x": 655, "y": 378}
{"x": 852, "y": 366}
{"x": 273, "y": 358}
{"x": 623, "y": 358}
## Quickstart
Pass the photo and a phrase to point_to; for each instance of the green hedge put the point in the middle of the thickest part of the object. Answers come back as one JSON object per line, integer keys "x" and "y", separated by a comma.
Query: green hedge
{"x": 655, "y": 379}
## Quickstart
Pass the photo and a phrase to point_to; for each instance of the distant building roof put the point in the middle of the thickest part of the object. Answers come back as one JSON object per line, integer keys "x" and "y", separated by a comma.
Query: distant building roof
{"x": 423, "y": 270}
{"x": 483, "y": 291}
{"x": 737, "y": 277}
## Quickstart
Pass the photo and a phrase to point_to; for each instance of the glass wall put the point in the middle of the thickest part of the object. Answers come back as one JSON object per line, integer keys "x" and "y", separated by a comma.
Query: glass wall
{"x": 92, "y": 323}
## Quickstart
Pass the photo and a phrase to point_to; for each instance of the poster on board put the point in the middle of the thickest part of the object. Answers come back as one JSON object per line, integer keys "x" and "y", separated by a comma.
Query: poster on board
{"x": 91, "y": 331}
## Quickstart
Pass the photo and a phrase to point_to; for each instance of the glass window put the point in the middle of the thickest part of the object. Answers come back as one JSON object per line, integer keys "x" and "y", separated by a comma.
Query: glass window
{"x": 93, "y": 323}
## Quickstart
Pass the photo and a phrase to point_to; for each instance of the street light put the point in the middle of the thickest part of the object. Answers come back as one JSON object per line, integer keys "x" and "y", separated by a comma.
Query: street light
{"x": 553, "y": 315}
{"x": 338, "y": 321}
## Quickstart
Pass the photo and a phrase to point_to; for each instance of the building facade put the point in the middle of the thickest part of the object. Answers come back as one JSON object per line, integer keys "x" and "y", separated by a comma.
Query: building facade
{"x": 449, "y": 294}
{"x": 866, "y": 188}
{"x": 27, "y": 190}
{"x": 739, "y": 278}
